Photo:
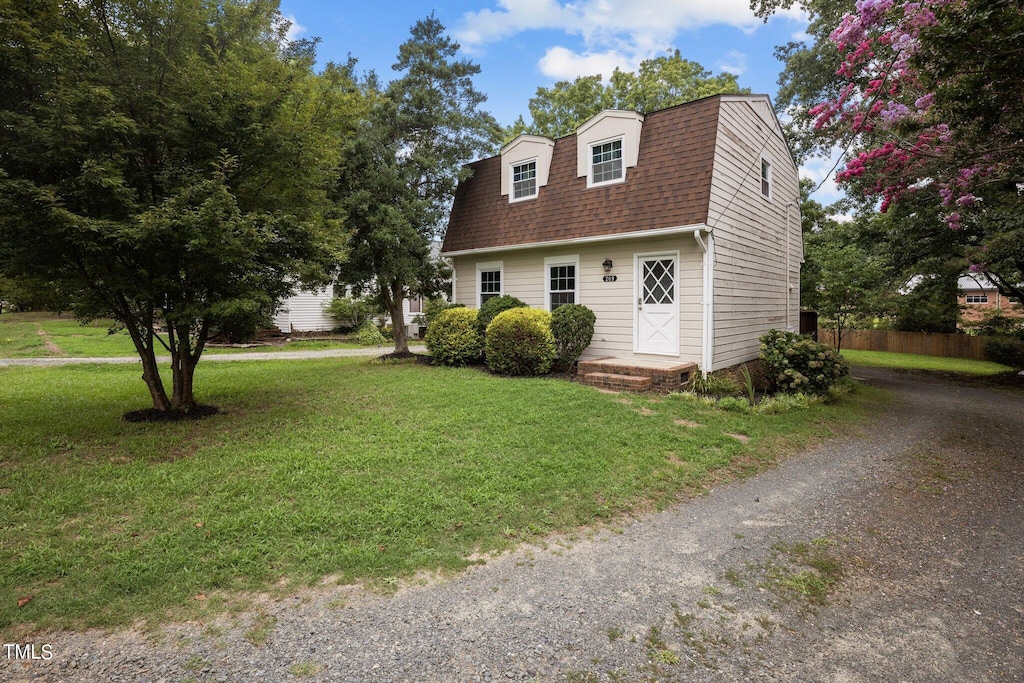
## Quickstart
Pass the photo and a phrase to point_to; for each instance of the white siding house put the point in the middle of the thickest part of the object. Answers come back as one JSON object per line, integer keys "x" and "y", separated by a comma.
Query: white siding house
{"x": 304, "y": 312}
{"x": 679, "y": 228}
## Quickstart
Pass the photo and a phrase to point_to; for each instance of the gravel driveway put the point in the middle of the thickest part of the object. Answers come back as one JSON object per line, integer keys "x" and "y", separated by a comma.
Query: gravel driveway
{"x": 916, "y": 526}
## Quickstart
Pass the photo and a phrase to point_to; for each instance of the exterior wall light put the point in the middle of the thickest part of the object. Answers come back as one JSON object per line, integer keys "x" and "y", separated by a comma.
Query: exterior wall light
{"x": 607, "y": 265}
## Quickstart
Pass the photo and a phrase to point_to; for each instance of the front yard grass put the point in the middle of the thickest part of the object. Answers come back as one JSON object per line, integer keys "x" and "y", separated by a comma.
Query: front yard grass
{"x": 337, "y": 467}
{"x": 46, "y": 335}
{"x": 913, "y": 361}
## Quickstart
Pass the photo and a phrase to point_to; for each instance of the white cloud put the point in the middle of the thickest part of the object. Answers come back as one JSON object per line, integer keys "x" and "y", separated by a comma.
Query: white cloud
{"x": 614, "y": 32}
{"x": 295, "y": 29}
{"x": 560, "y": 63}
{"x": 737, "y": 64}
{"x": 822, "y": 172}
{"x": 801, "y": 37}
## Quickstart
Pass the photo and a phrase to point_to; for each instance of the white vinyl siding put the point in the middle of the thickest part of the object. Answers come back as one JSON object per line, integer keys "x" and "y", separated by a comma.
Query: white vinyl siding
{"x": 304, "y": 312}
{"x": 613, "y": 303}
{"x": 750, "y": 288}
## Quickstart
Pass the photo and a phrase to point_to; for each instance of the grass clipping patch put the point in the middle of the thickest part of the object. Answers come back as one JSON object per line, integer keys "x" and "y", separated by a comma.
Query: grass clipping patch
{"x": 804, "y": 571}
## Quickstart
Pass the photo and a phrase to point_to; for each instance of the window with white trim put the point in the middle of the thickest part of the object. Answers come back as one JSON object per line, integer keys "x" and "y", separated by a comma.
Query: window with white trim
{"x": 606, "y": 162}
{"x": 524, "y": 180}
{"x": 561, "y": 280}
{"x": 977, "y": 298}
{"x": 490, "y": 283}
{"x": 766, "y": 177}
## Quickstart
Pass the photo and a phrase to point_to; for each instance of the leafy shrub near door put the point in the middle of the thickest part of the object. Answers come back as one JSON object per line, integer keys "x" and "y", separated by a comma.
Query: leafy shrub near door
{"x": 795, "y": 363}
{"x": 519, "y": 342}
{"x": 453, "y": 337}
{"x": 490, "y": 309}
{"x": 573, "y": 328}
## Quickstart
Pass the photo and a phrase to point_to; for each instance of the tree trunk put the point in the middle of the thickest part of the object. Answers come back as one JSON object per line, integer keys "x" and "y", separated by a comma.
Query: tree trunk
{"x": 150, "y": 369}
{"x": 398, "y": 319}
{"x": 183, "y": 367}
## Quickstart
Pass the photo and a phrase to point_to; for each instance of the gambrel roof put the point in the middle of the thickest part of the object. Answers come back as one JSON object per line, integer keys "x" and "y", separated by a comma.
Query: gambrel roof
{"x": 669, "y": 187}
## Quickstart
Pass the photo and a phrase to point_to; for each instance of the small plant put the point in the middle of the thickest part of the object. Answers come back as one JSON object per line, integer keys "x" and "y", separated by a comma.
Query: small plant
{"x": 369, "y": 335}
{"x": 519, "y": 342}
{"x": 494, "y": 306}
{"x": 614, "y": 633}
{"x": 302, "y": 669}
{"x": 573, "y": 328}
{"x": 795, "y": 363}
{"x": 712, "y": 385}
{"x": 260, "y": 629}
{"x": 783, "y": 403}
{"x": 733, "y": 404}
{"x": 352, "y": 313}
{"x": 748, "y": 382}
{"x": 453, "y": 337}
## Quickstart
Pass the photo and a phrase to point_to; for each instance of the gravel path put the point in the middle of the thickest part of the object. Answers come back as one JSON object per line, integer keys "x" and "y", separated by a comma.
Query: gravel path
{"x": 920, "y": 520}
{"x": 244, "y": 355}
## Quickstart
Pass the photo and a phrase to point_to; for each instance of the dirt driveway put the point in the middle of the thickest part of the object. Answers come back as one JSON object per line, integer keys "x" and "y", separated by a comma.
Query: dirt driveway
{"x": 894, "y": 556}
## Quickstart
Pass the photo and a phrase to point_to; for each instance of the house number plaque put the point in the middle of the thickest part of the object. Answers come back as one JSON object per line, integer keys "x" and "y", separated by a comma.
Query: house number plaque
{"x": 611, "y": 278}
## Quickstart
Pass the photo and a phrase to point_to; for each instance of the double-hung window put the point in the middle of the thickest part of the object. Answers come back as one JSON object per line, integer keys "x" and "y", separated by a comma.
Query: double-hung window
{"x": 524, "y": 180}
{"x": 606, "y": 162}
{"x": 977, "y": 298}
{"x": 562, "y": 281}
{"x": 489, "y": 276}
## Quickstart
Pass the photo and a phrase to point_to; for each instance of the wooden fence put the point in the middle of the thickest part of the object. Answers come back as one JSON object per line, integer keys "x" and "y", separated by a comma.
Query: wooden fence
{"x": 924, "y": 343}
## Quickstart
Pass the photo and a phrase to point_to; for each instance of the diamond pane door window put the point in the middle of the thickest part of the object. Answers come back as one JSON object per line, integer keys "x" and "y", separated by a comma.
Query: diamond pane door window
{"x": 657, "y": 318}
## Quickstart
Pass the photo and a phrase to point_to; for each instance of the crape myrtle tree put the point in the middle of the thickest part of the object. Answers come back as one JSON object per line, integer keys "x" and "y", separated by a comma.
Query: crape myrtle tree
{"x": 658, "y": 83}
{"x": 926, "y": 98}
{"x": 401, "y": 168}
{"x": 165, "y": 164}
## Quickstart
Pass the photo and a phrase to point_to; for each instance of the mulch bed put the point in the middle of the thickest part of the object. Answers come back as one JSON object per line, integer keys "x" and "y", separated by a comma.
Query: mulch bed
{"x": 154, "y": 415}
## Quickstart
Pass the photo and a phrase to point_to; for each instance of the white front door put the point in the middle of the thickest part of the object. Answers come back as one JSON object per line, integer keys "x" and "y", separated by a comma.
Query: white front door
{"x": 657, "y": 302}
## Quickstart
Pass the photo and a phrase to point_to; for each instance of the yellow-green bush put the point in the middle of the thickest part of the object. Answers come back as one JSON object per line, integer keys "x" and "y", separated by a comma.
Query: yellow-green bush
{"x": 519, "y": 342}
{"x": 453, "y": 338}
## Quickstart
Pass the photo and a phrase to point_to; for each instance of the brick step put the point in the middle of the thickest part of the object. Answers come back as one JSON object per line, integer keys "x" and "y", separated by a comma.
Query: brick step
{"x": 608, "y": 380}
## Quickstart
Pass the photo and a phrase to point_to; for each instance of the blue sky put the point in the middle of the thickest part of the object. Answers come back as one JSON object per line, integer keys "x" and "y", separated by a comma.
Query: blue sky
{"x": 523, "y": 44}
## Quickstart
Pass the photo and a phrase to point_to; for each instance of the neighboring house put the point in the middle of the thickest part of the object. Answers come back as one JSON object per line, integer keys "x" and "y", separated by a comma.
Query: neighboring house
{"x": 978, "y": 296}
{"x": 680, "y": 229}
{"x": 304, "y": 312}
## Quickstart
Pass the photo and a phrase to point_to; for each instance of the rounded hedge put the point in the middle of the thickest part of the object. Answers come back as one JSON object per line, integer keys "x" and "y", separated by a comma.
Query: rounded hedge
{"x": 1005, "y": 350}
{"x": 453, "y": 337}
{"x": 519, "y": 342}
{"x": 490, "y": 309}
{"x": 573, "y": 328}
{"x": 795, "y": 363}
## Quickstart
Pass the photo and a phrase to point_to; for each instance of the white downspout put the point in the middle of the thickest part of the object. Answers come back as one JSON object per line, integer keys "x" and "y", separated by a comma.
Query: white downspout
{"x": 789, "y": 283}
{"x": 707, "y": 302}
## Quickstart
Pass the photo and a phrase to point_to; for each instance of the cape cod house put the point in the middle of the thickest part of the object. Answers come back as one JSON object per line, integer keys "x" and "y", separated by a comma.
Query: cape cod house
{"x": 680, "y": 229}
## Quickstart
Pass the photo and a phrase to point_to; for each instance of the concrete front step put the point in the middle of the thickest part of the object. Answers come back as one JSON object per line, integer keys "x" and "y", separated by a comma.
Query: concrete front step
{"x": 607, "y": 380}
{"x": 664, "y": 376}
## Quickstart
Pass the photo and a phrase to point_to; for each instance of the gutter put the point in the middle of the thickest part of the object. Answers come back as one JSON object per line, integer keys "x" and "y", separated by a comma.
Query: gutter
{"x": 707, "y": 355}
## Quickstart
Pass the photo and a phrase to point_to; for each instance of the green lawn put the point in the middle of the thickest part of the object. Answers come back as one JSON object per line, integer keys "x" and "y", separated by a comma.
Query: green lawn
{"x": 913, "y": 361}
{"x": 336, "y": 467}
{"x": 25, "y": 335}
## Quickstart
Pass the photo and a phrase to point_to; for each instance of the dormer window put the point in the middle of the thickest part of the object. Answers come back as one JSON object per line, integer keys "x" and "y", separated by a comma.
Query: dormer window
{"x": 524, "y": 180}
{"x": 606, "y": 162}
{"x": 607, "y": 146}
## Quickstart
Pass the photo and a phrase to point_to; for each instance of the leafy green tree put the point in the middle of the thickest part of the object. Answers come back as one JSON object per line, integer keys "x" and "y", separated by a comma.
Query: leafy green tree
{"x": 658, "y": 83}
{"x": 165, "y": 164}
{"x": 401, "y": 169}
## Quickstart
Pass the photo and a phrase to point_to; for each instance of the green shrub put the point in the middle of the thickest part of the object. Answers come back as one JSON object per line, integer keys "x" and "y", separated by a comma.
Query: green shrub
{"x": 783, "y": 403}
{"x": 712, "y": 385}
{"x": 519, "y": 342}
{"x": 573, "y": 328}
{"x": 434, "y": 306}
{"x": 351, "y": 313}
{"x": 795, "y": 364}
{"x": 1005, "y": 350}
{"x": 369, "y": 335}
{"x": 490, "y": 309}
{"x": 453, "y": 337}
{"x": 733, "y": 404}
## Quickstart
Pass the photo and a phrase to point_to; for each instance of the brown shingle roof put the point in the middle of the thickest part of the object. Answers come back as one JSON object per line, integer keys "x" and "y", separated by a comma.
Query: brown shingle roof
{"x": 670, "y": 186}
